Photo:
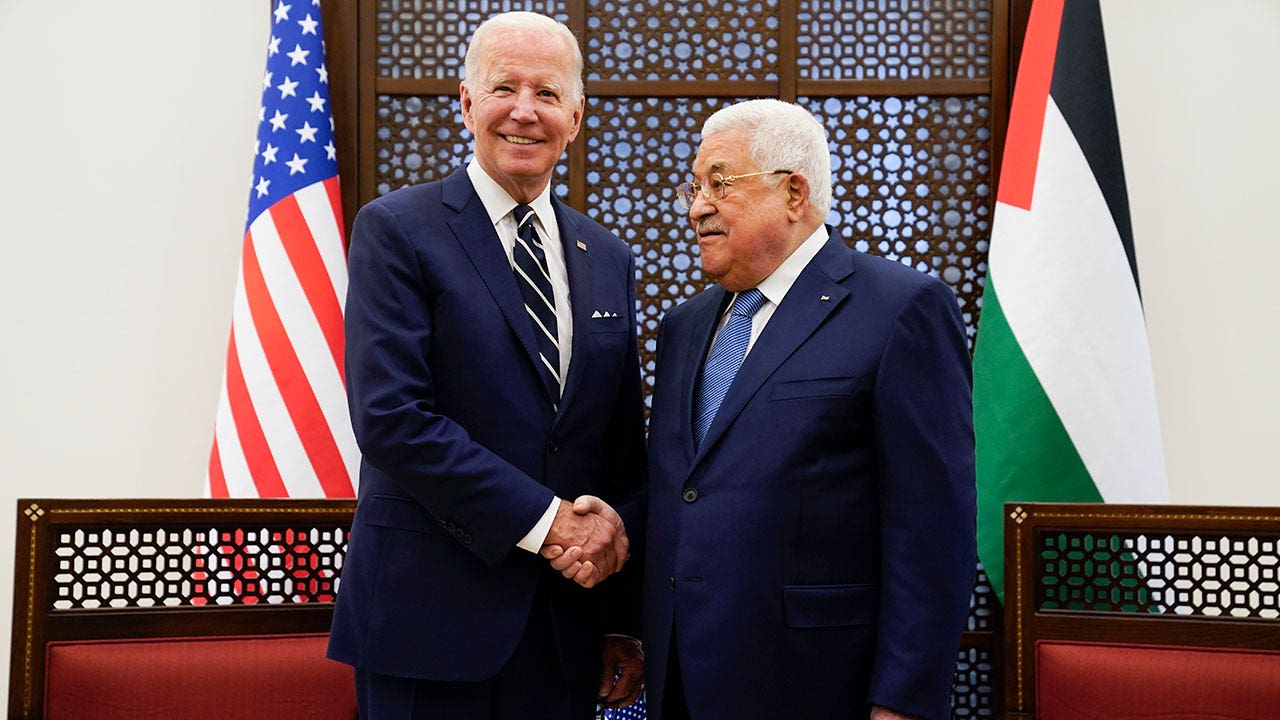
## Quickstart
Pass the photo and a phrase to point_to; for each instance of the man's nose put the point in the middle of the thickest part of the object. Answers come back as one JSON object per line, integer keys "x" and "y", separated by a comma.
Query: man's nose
{"x": 523, "y": 109}
{"x": 700, "y": 206}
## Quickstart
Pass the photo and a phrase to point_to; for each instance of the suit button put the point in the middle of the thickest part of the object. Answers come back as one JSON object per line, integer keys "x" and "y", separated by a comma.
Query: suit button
{"x": 466, "y": 539}
{"x": 671, "y": 582}
{"x": 553, "y": 448}
{"x": 690, "y": 495}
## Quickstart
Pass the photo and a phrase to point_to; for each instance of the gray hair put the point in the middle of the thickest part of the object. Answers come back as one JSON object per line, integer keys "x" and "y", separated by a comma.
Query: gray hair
{"x": 784, "y": 136}
{"x": 520, "y": 21}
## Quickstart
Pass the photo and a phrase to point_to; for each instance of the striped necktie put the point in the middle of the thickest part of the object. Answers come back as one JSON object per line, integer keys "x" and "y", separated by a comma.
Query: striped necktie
{"x": 726, "y": 355}
{"x": 529, "y": 263}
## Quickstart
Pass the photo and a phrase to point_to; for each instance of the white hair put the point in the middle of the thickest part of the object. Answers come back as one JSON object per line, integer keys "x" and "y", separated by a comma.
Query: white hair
{"x": 520, "y": 21}
{"x": 783, "y": 136}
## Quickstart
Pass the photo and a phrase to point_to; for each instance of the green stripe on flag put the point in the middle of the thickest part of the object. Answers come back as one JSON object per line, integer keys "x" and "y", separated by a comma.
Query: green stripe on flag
{"x": 1024, "y": 453}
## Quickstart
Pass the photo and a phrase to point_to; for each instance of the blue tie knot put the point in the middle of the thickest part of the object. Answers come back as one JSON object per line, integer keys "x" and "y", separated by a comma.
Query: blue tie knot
{"x": 748, "y": 302}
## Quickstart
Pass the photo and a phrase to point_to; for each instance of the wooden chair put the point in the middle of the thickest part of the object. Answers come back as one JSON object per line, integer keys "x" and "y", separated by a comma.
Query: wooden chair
{"x": 177, "y": 608}
{"x": 1134, "y": 611}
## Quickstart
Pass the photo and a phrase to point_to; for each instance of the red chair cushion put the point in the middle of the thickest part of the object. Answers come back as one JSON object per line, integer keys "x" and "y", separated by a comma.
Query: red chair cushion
{"x": 1091, "y": 681}
{"x": 268, "y": 677}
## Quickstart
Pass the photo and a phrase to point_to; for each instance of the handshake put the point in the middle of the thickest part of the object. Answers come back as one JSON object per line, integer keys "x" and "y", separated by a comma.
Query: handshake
{"x": 587, "y": 541}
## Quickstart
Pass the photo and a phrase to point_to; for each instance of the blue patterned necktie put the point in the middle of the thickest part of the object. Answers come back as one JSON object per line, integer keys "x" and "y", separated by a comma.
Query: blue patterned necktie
{"x": 722, "y": 364}
{"x": 530, "y": 265}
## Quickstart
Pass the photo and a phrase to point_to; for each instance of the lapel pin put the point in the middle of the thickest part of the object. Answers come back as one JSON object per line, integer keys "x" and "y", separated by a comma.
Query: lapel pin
{"x": 582, "y": 246}
{"x": 825, "y": 298}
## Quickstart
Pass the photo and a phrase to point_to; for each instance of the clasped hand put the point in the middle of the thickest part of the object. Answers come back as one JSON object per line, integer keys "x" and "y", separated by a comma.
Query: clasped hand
{"x": 587, "y": 541}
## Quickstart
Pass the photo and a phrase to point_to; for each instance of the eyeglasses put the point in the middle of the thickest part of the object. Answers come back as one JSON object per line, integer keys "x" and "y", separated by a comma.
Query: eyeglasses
{"x": 716, "y": 187}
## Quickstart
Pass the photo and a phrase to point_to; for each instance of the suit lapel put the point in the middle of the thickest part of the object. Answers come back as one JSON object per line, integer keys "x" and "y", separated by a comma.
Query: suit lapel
{"x": 475, "y": 232}
{"x": 702, "y": 328}
{"x": 577, "y": 262}
{"x": 815, "y": 294}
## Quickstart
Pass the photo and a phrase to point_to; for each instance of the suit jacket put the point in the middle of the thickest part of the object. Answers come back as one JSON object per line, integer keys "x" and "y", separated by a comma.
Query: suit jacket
{"x": 462, "y": 448}
{"x": 816, "y": 555}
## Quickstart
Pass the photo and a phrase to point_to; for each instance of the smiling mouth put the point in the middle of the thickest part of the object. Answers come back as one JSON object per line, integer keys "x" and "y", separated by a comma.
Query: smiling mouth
{"x": 519, "y": 140}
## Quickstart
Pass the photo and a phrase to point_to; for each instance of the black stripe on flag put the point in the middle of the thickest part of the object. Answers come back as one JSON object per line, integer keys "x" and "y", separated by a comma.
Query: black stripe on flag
{"x": 1081, "y": 89}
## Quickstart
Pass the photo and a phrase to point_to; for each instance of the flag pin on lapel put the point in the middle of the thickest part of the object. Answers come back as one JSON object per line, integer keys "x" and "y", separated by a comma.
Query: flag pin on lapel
{"x": 582, "y": 246}
{"x": 825, "y": 298}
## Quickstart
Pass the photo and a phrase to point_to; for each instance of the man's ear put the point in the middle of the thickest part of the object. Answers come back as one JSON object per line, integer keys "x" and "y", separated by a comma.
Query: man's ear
{"x": 465, "y": 101}
{"x": 797, "y": 197}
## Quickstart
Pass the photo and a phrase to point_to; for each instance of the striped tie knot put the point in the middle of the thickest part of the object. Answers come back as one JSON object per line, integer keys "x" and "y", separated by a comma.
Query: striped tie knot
{"x": 748, "y": 302}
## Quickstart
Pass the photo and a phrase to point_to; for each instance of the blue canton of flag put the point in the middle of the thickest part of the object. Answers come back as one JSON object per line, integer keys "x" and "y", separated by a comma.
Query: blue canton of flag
{"x": 295, "y": 123}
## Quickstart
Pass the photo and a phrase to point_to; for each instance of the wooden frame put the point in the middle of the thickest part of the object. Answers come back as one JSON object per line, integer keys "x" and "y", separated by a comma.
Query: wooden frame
{"x": 36, "y": 620}
{"x": 1030, "y": 619}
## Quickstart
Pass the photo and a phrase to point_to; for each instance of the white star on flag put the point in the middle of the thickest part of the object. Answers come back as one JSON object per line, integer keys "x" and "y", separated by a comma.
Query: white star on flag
{"x": 308, "y": 25}
{"x": 288, "y": 88}
{"x": 282, "y": 12}
{"x": 306, "y": 133}
{"x": 298, "y": 56}
{"x": 296, "y": 165}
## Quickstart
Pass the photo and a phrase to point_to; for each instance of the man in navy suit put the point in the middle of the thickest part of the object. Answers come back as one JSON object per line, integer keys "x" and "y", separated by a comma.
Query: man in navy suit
{"x": 493, "y": 378}
{"x": 810, "y": 547}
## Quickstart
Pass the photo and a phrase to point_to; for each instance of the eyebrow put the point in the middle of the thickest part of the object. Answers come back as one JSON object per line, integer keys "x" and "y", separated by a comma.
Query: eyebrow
{"x": 719, "y": 166}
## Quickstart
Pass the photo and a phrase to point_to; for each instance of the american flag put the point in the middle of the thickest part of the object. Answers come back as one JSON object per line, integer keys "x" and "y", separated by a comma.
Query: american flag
{"x": 282, "y": 428}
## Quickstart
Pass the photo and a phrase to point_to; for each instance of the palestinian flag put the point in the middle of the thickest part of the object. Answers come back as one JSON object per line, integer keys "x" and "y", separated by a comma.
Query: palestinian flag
{"x": 1064, "y": 399}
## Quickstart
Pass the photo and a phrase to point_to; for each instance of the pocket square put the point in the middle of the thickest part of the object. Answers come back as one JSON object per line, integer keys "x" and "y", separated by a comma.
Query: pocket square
{"x": 604, "y": 314}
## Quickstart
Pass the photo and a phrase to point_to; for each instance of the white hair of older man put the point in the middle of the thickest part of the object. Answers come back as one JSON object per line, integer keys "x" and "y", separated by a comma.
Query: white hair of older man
{"x": 784, "y": 136}
{"x": 520, "y": 21}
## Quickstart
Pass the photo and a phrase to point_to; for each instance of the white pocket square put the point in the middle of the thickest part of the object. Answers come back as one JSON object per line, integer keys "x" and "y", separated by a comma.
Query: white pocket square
{"x": 604, "y": 314}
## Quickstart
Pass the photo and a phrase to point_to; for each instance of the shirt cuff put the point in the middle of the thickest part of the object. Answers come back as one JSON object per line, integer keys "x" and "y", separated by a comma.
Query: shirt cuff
{"x": 534, "y": 539}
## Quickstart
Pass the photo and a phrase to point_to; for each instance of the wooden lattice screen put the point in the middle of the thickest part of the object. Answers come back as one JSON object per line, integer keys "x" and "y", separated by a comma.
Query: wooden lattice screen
{"x": 914, "y": 94}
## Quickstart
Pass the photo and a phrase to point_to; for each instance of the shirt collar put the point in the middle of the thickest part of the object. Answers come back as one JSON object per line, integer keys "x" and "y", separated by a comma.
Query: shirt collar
{"x": 775, "y": 286}
{"x": 498, "y": 204}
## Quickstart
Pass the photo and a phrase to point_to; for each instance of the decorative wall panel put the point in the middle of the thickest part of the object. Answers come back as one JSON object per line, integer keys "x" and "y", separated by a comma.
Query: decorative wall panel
{"x": 912, "y": 183}
{"x": 696, "y": 40}
{"x": 427, "y": 38}
{"x": 894, "y": 39}
{"x": 971, "y": 691}
{"x": 638, "y": 151}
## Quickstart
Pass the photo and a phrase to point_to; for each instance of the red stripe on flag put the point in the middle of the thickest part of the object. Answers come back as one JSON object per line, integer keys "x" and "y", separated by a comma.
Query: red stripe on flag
{"x": 253, "y": 442}
{"x": 1030, "y": 99}
{"x": 335, "y": 201}
{"x": 308, "y": 265}
{"x": 299, "y": 397}
{"x": 217, "y": 482}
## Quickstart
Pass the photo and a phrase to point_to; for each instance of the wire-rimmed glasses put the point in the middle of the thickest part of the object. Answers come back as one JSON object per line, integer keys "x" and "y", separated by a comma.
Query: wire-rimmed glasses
{"x": 715, "y": 188}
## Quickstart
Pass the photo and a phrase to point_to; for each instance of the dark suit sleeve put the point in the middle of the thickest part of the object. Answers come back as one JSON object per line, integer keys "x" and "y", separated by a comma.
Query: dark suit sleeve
{"x": 392, "y": 398}
{"x": 924, "y": 428}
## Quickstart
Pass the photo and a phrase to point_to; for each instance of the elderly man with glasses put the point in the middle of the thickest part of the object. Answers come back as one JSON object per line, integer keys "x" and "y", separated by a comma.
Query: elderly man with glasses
{"x": 810, "y": 548}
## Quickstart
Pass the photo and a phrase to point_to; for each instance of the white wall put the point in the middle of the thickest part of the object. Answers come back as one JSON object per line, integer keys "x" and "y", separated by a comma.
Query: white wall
{"x": 126, "y": 131}
{"x": 1195, "y": 85}
{"x": 126, "y": 135}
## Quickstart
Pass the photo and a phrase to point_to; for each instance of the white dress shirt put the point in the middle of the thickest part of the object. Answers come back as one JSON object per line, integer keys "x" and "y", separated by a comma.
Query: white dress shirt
{"x": 499, "y": 205}
{"x": 777, "y": 285}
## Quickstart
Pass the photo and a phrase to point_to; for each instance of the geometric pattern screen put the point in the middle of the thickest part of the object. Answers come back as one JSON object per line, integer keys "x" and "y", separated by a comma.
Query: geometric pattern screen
{"x": 1219, "y": 575}
{"x": 124, "y": 567}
